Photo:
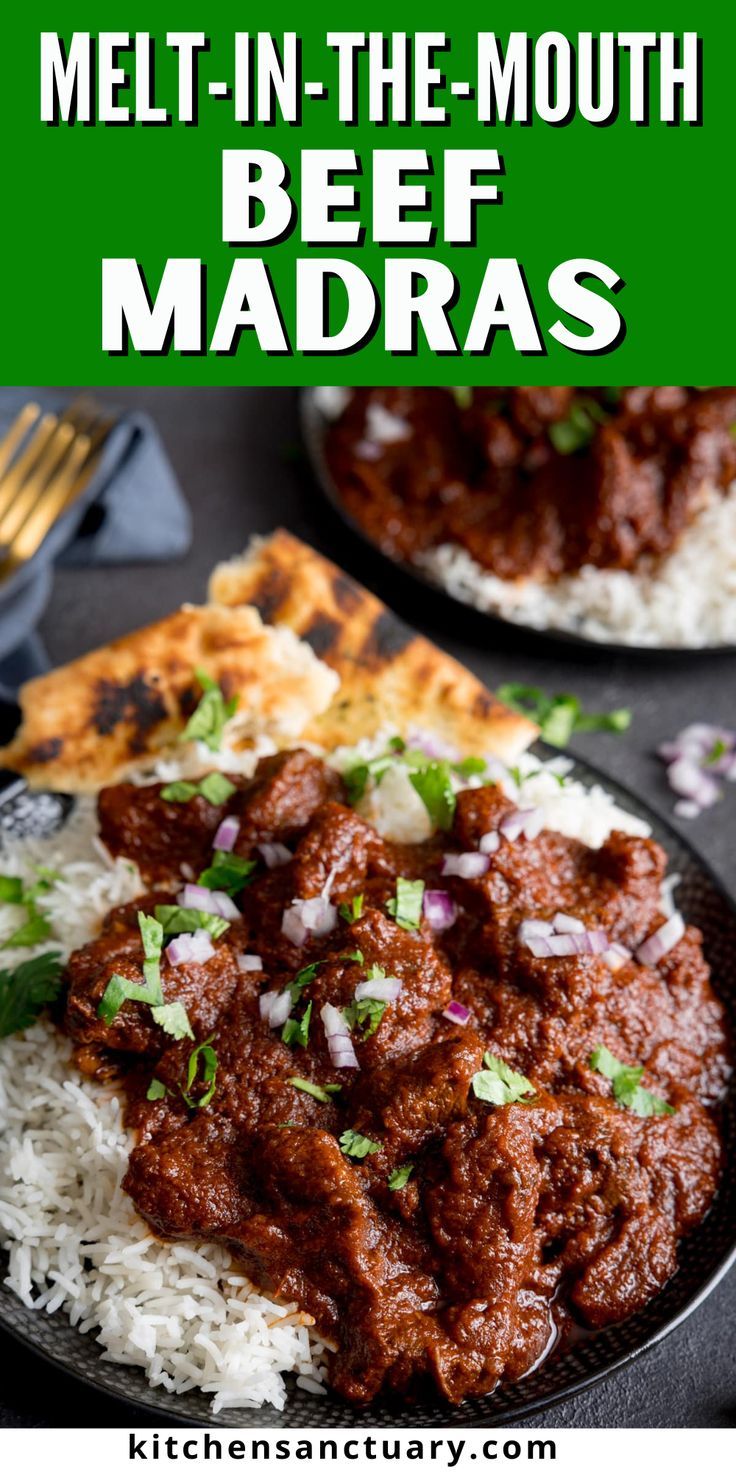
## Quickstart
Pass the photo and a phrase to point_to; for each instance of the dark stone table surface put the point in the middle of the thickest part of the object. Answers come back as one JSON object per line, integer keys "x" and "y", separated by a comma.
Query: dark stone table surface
{"x": 237, "y": 453}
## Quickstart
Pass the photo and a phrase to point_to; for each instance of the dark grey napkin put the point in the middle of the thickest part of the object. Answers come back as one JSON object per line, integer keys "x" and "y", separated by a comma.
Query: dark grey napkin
{"x": 131, "y": 511}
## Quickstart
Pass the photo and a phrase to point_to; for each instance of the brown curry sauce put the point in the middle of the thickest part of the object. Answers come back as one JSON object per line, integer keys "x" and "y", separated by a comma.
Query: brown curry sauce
{"x": 519, "y": 1222}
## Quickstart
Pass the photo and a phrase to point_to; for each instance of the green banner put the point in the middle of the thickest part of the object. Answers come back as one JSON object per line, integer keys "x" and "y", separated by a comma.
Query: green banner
{"x": 227, "y": 194}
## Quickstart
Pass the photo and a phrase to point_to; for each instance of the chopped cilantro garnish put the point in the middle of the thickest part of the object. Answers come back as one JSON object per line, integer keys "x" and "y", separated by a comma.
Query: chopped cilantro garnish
{"x": 208, "y": 722}
{"x": 228, "y": 872}
{"x": 296, "y": 1030}
{"x": 368, "y": 1012}
{"x": 214, "y": 788}
{"x": 203, "y": 1058}
{"x": 433, "y": 783}
{"x": 352, "y": 956}
{"x": 26, "y": 990}
{"x": 627, "y": 1089}
{"x": 175, "y": 920}
{"x": 357, "y": 1145}
{"x": 463, "y": 397}
{"x": 302, "y": 979}
{"x": 399, "y": 1177}
{"x": 576, "y": 431}
{"x": 11, "y": 890}
{"x": 470, "y": 766}
{"x": 171, "y": 1016}
{"x": 406, "y": 908}
{"x": 323, "y": 1093}
{"x": 36, "y": 928}
{"x": 156, "y": 1090}
{"x": 353, "y": 910}
{"x": 558, "y": 716}
{"x": 718, "y": 749}
{"x": 499, "y": 1084}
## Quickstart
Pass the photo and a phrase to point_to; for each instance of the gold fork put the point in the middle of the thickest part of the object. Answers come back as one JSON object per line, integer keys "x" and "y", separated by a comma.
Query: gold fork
{"x": 46, "y": 460}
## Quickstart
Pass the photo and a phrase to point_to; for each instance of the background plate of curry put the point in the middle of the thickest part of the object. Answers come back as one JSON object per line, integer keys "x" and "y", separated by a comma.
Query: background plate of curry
{"x": 599, "y": 517}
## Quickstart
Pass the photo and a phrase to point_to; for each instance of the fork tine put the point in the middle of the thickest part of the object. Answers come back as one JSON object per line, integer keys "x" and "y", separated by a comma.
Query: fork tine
{"x": 46, "y": 464}
{"x": 25, "y": 461}
{"x": 59, "y": 494}
{"x": 16, "y": 433}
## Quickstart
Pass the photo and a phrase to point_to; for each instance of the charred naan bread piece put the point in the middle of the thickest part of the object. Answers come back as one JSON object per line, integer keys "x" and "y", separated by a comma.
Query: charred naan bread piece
{"x": 389, "y": 676}
{"x": 120, "y": 707}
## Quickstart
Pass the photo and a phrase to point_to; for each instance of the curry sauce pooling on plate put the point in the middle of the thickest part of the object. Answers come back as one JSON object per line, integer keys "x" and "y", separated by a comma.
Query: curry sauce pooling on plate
{"x": 533, "y": 482}
{"x": 455, "y": 1098}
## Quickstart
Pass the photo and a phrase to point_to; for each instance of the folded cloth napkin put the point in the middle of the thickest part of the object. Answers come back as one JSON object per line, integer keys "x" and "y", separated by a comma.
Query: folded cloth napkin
{"x": 132, "y": 510}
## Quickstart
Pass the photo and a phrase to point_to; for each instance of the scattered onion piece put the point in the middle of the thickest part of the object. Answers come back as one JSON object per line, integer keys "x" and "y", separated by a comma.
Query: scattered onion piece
{"x": 567, "y": 924}
{"x": 616, "y": 956}
{"x": 211, "y": 901}
{"x": 440, "y": 909}
{"x": 337, "y": 1032}
{"x": 456, "y": 1012}
{"x": 275, "y": 1007}
{"x": 490, "y": 843}
{"x": 695, "y": 760}
{"x": 466, "y": 866}
{"x": 226, "y": 835}
{"x": 250, "y": 962}
{"x": 195, "y": 948}
{"x": 381, "y": 989}
{"x": 590, "y": 943}
{"x": 661, "y": 942}
{"x": 274, "y": 855}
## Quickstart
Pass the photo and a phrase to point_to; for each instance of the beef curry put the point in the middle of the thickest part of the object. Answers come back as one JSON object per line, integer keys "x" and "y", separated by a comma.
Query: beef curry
{"x": 533, "y": 482}
{"x": 450, "y": 1202}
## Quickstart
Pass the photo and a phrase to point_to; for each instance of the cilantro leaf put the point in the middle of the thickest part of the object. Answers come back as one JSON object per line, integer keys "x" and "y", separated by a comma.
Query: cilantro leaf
{"x": 470, "y": 766}
{"x": 296, "y": 1031}
{"x": 156, "y": 1090}
{"x": 202, "y": 1057}
{"x": 576, "y": 431}
{"x": 174, "y": 920}
{"x": 434, "y": 785}
{"x": 316, "y": 1090}
{"x": 627, "y": 1089}
{"x": 358, "y": 1146}
{"x": 26, "y": 990}
{"x": 559, "y": 716}
{"x": 303, "y": 979}
{"x": 498, "y": 1084}
{"x": 215, "y": 788}
{"x": 11, "y": 890}
{"x": 209, "y": 720}
{"x": 399, "y": 1177}
{"x": 173, "y": 1018}
{"x": 406, "y": 908}
{"x": 368, "y": 1012}
{"x": 36, "y": 928}
{"x": 353, "y": 910}
{"x": 227, "y": 871}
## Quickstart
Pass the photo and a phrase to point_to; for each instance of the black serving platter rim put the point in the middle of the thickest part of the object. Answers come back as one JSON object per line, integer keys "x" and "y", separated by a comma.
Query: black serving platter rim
{"x": 313, "y": 425}
{"x": 127, "y": 1385}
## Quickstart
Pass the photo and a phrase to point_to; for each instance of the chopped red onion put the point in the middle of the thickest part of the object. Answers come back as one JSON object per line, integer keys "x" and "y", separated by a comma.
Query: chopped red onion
{"x": 196, "y": 948}
{"x": 695, "y": 759}
{"x": 666, "y": 890}
{"x": 689, "y": 780}
{"x": 418, "y": 739}
{"x": 661, "y": 941}
{"x": 534, "y": 823}
{"x": 337, "y": 1032}
{"x": 526, "y": 821}
{"x": 533, "y": 929}
{"x": 616, "y": 956}
{"x": 567, "y": 924}
{"x": 275, "y": 1007}
{"x": 308, "y": 917}
{"x": 497, "y": 771}
{"x": 274, "y": 855}
{"x": 490, "y": 843}
{"x": 439, "y": 909}
{"x": 250, "y": 962}
{"x": 590, "y": 943}
{"x": 466, "y": 866}
{"x": 212, "y": 901}
{"x": 685, "y": 808}
{"x": 456, "y": 1012}
{"x": 226, "y": 834}
{"x": 382, "y": 989}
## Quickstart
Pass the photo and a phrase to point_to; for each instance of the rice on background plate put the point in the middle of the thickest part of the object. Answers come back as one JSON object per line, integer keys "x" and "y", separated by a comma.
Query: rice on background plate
{"x": 184, "y": 1314}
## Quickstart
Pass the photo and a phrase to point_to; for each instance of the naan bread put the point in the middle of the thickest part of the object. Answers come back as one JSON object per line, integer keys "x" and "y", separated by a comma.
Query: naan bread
{"x": 122, "y": 706}
{"x": 389, "y": 676}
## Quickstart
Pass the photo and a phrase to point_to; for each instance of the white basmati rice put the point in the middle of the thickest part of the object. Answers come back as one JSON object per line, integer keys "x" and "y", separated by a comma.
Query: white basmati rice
{"x": 183, "y": 1313}
{"x": 688, "y": 601}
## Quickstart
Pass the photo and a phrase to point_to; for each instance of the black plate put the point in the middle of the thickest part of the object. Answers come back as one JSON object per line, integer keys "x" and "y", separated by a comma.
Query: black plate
{"x": 314, "y": 425}
{"x": 704, "y": 1258}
